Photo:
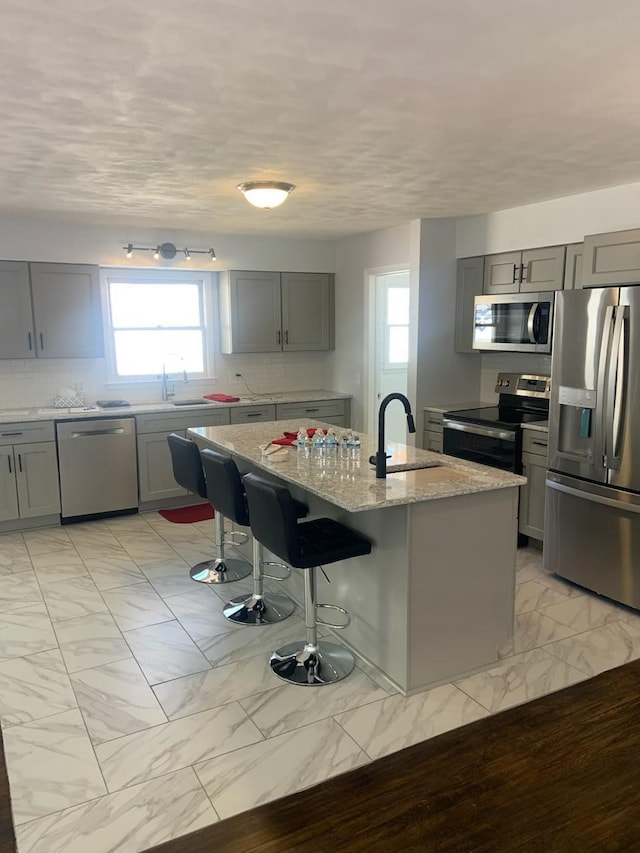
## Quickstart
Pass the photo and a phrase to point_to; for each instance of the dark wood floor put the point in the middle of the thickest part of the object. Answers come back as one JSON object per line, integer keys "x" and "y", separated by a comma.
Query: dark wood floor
{"x": 558, "y": 774}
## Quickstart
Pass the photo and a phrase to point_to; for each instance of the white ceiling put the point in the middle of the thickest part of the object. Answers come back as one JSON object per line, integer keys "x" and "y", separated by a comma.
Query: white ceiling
{"x": 381, "y": 111}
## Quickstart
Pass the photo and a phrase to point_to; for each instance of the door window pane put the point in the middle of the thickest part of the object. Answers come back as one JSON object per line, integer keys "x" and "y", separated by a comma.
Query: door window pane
{"x": 398, "y": 306}
{"x": 398, "y": 344}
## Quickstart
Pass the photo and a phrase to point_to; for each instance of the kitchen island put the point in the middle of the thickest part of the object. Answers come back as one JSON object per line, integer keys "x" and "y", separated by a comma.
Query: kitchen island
{"x": 435, "y": 598}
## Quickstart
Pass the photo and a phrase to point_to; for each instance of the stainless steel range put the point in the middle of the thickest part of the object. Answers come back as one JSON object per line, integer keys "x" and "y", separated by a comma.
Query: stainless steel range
{"x": 492, "y": 435}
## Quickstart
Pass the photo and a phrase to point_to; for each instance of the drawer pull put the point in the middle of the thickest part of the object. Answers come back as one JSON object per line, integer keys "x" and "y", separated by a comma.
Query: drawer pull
{"x": 253, "y": 415}
{"x": 312, "y": 410}
{"x": 432, "y": 421}
{"x": 540, "y": 443}
{"x": 11, "y": 433}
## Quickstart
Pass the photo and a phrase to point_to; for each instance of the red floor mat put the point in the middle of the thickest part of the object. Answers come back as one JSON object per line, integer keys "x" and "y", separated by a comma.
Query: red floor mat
{"x": 188, "y": 514}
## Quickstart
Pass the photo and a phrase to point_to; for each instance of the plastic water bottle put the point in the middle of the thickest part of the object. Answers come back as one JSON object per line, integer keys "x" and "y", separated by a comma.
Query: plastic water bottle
{"x": 331, "y": 440}
{"x": 302, "y": 439}
{"x": 345, "y": 442}
{"x": 317, "y": 441}
{"x": 355, "y": 442}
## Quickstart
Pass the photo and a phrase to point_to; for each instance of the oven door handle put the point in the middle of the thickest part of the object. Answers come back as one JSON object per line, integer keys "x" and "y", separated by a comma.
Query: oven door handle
{"x": 474, "y": 429}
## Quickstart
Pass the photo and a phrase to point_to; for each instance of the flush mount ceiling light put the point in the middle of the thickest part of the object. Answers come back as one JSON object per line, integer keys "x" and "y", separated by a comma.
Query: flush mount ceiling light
{"x": 266, "y": 194}
{"x": 167, "y": 251}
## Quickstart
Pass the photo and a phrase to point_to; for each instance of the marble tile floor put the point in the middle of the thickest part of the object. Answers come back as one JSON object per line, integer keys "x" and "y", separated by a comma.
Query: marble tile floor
{"x": 133, "y": 712}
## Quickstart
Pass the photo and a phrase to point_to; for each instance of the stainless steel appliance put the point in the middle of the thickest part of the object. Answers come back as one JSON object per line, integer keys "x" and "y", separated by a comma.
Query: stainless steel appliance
{"x": 98, "y": 467}
{"x": 492, "y": 435}
{"x": 592, "y": 510}
{"x": 519, "y": 322}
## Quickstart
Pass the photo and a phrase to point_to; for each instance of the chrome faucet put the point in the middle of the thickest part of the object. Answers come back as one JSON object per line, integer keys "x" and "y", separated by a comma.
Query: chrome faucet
{"x": 166, "y": 393}
{"x": 381, "y": 456}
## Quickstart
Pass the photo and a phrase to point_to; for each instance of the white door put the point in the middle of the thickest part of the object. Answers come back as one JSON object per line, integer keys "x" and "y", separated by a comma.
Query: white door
{"x": 391, "y": 350}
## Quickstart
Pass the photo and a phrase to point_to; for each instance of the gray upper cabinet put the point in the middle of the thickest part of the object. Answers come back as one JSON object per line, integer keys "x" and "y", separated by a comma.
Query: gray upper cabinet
{"x": 542, "y": 269}
{"x": 530, "y": 271}
{"x": 612, "y": 258}
{"x": 250, "y": 312}
{"x": 272, "y": 311}
{"x": 469, "y": 285}
{"x": 573, "y": 266}
{"x": 307, "y": 310}
{"x": 67, "y": 311}
{"x": 502, "y": 273}
{"x": 16, "y": 319}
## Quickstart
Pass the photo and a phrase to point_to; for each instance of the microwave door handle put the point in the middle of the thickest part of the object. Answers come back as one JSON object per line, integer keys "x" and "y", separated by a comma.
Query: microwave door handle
{"x": 616, "y": 388}
{"x": 531, "y": 322}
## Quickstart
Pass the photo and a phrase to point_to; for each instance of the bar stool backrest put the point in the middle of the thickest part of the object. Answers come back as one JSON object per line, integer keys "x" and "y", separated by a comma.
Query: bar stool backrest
{"x": 187, "y": 465}
{"x": 224, "y": 486}
{"x": 273, "y": 518}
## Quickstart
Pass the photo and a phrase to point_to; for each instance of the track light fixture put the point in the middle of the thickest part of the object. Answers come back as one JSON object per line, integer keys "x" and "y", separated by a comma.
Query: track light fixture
{"x": 167, "y": 251}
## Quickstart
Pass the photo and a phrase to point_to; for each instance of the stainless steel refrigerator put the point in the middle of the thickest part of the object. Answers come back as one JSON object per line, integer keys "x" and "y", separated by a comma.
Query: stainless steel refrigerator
{"x": 592, "y": 510}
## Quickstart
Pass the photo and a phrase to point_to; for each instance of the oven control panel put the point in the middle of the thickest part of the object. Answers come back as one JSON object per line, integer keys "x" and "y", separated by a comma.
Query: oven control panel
{"x": 524, "y": 384}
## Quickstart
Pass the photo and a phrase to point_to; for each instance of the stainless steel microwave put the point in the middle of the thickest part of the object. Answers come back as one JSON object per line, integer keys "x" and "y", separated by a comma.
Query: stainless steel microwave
{"x": 519, "y": 322}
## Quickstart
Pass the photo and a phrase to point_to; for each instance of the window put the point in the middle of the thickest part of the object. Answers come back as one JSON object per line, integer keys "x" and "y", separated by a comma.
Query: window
{"x": 397, "y": 325}
{"x": 156, "y": 321}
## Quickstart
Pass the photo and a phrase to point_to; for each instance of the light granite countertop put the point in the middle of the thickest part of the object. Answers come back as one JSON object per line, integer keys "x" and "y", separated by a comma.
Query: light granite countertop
{"x": 539, "y": 426}
{"x": 349, "y": 481}
{"x": 48, "y": 413}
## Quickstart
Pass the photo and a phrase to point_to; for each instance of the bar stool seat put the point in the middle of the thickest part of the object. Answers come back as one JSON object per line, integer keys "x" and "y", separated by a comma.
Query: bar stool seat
{"x": 188, "y": 472}
{"x": 226, "y": 493}
{"x": 305, "y": 545}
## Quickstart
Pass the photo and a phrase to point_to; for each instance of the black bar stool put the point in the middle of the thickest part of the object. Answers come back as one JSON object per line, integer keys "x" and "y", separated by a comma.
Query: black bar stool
{"x": 227, "y": 495}
{"x": 306, "y": 546}
{"x": 188, "y": 472}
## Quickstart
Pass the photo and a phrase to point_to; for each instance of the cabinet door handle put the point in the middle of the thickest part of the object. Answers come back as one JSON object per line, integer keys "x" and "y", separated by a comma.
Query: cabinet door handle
{"x": 20, "y": 462}
{"x": 515, "y": 273}
{"x": 278, "y": 336}
{"x": 524, "y": 272}
{"x": 41, "y": 341}
{"x": 9, "y": 461}
{"x": 30, "y": 341}
{"x": 286, "y": 336}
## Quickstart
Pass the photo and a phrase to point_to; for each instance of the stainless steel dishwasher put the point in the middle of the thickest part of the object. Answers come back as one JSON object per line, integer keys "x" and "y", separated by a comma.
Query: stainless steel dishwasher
{"x": 98, "y": 466}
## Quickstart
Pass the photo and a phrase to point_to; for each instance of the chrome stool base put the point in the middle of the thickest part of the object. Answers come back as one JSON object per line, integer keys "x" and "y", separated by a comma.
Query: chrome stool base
{"x": 220, "y": 571}
{"x": 321, "y": 663}
{"x": 258, "y": 609}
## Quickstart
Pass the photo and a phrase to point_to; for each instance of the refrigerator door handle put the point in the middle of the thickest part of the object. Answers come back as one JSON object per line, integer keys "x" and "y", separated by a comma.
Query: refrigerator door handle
{"x": 603, "y": 363}
{"x": 583, "y": 494}
{"x": 531, "y": 323}
{"x": 615, "y": 389}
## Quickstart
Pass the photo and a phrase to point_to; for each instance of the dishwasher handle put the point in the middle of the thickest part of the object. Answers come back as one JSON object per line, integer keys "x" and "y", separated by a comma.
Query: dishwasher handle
{"x": 84, "y": 434}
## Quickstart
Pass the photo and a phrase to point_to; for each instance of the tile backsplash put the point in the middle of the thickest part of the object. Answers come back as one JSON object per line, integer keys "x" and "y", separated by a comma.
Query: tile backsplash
{"x": 34, "y": 382}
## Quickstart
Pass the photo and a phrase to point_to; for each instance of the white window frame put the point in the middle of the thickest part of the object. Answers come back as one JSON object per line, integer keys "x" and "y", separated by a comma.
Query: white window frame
{"x": 208, "y": 293}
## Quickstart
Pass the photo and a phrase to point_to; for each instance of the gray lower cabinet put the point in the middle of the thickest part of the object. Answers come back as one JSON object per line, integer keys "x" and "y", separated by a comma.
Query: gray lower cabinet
{"x": 50, "y": 311}
{"x": 274, "y": 312}
{"x": 252, "y": 414}
{"x": 529, "y": 271}
{"x": 532, "y": 495}
{"x": 611, "y": 259}
{"x": 432, "y": 434}
{"x": 336, "y": 412}
{"x": 29, "y": 485}
{"x": 155, "y": 471}
{"x": 573, "y": 266}
{"x": 470, "y": 273}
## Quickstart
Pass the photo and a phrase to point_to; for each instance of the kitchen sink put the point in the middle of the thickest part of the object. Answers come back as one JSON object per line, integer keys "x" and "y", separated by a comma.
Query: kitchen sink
{"x": 199, "y": 402}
